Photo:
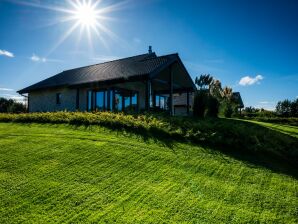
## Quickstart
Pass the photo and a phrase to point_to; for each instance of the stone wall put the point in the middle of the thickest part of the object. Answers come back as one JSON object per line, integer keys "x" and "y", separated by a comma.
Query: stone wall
{"x": 45, "y": 100}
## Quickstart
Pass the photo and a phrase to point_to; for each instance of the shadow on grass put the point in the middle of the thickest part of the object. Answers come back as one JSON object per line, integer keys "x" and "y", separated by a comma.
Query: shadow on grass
{"x": 249, "y": 142}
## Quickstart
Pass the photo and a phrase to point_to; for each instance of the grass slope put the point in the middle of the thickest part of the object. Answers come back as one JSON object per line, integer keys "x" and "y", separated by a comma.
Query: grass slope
{"x": 283, "y": 128}
{"x": 58, "y": 173}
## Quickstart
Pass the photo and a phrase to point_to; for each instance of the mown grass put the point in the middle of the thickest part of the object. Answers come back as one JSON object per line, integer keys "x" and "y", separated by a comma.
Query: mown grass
{"x": 283, "y": 128}
{"x": 292, "y": 121}
{"x": 237, "y": 138}
{"x": 52, "y": 173}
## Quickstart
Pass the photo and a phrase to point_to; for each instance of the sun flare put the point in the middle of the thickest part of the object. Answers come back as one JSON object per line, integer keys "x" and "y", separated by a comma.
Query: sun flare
{"x": 86, "y": 14}
{"x": 88, "y": 17}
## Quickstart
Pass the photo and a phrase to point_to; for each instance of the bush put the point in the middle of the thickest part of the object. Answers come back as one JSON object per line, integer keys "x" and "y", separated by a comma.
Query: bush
{"x": 200, "y": 104}
{"x": 205, "y": 105}
{"x": 212, "y": 107}
{"x": 228, "y": 110}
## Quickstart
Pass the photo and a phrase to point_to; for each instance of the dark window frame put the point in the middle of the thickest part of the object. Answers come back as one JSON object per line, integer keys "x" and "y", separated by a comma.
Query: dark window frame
{"x": 109, "y": 99}
{"x": 58, "y": 98}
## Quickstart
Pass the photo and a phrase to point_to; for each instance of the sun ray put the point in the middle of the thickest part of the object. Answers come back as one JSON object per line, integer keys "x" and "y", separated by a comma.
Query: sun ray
{"x": 64, "y": 37}
{"x": 88, "y": 18}
{"x": 42, "y": 6}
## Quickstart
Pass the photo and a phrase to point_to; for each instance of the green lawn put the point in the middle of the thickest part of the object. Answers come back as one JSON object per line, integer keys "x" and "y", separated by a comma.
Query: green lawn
{"x": 59, "y": 173}
{"x": 283, "y": 128}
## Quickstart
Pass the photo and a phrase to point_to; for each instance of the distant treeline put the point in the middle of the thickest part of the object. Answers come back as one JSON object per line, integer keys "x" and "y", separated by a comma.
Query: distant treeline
{"x": 285, "y": 108}
{"x": 11, "y": 106}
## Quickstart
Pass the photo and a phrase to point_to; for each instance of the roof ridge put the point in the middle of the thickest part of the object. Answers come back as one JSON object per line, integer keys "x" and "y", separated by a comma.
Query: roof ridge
{"x": 161, "y": 56}
{"x": 153, "y": 53}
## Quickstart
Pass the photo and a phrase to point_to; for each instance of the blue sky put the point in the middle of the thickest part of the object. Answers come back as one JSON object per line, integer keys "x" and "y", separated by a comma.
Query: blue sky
{"x": 251, "y": 46}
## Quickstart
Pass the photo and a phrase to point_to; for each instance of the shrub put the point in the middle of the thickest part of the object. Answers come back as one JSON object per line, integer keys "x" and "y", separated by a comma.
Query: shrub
{"x": 200, "y": 103}
{"x": 205, "y": 105}
{"x": 228, "y": 110}
{"x": 212, "y": 107}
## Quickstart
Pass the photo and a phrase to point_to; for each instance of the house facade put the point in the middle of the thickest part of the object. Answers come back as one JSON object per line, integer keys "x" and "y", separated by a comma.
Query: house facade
{"x": 138, "y": 83}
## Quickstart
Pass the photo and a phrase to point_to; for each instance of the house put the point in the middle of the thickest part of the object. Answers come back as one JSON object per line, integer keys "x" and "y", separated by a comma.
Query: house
{"x": 236, "y": 97}
{"x": 137, "y": 83}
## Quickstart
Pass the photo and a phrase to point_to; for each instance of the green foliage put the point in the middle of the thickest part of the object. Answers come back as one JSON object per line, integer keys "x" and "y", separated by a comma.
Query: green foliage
{"x": 204, "y": 81}
{"x": 11, "y": 106}
{"x": 200, "y": 103}
{"x": 227, "y": 109}
{"x": 73, "y": 174}
{"x": 251, "y": 112}
{"x": 212, "y": 106}
{"x": 205, "y": 105}
{"x": 211, "y": 99}
{"x": 287, "y": 108}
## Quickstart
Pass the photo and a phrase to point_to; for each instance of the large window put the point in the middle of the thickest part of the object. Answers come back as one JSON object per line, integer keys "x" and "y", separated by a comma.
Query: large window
{"x": 58, "y": 98}
{"x": 161, "y": 102}
{"x": 100, "y": 100}
{"x": 118, "y": 100}
{"x": 134, "y": 101}
{"x": 89, "y": 98}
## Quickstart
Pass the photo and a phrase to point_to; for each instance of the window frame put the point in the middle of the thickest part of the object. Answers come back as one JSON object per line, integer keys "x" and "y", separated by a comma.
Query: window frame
{"x": 58, "y": 98}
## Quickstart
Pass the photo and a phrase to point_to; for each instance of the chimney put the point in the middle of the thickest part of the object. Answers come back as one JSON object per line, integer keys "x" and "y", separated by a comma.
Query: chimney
{"x": 150, "y": 50}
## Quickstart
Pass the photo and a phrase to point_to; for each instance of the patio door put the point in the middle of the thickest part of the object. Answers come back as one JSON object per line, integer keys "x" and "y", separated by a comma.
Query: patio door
{"x": 100, "y": 101}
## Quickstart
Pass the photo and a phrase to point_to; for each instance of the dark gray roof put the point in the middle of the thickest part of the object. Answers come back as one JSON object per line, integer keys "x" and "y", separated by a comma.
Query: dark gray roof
{"x": 125, "y": 68}
{"x": 237, "y": 98}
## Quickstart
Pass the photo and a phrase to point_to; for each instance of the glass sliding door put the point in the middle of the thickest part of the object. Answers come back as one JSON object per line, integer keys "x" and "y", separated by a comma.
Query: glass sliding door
{"x": 100, "y": 100}
{"x": 160, "y": 102}
{"x": 89, "y": 100}
{"x": 134, "y": 102}
{"x": 126, "y": 103}
{"x": 118, "y": 101}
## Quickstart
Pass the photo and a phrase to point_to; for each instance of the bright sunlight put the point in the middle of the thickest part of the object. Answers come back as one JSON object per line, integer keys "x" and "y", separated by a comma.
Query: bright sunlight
{"x": 86, "y": 14}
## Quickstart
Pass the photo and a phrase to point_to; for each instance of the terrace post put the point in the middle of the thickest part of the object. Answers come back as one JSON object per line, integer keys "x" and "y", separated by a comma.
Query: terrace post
{"x": 171, "y": 91}
{"x": 154, "y": 99}
{"x": 113, "y": 99}
{"x": 78, "y": 99}
{"x": 108, "y": 100}
{"x": 147, "y": 93}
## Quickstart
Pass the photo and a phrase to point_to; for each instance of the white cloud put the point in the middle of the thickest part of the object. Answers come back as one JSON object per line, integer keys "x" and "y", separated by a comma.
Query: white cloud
{"x": 17, "y": 98}
{"x": 6, "y": 53}
{"x": 247, "y": 80}
{"x": 6, "y": 89}
{"x": 264, "y": 102}
{"x": 37, "y": 58}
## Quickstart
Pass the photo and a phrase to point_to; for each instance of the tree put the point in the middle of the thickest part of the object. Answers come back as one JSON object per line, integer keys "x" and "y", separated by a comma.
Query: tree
{"x": 294, "y": 108}
{"x": 11, "y": 106}
{"x": 202, "y": 94}
{"x": 283, "y": 108}
{"x": 204, "y": 81}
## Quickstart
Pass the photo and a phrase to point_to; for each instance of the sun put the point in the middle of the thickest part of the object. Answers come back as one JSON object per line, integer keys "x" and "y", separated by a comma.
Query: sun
{"x": 86, "y": 14}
